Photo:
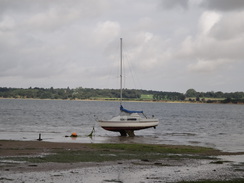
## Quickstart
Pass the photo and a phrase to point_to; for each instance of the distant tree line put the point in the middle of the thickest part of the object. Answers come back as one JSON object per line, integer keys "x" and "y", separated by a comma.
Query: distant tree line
{"x": 232, "y": 97}
{"x": 130, "y": 94}
{"x": 67, "y": 93}
{"x": 211, "y": 94}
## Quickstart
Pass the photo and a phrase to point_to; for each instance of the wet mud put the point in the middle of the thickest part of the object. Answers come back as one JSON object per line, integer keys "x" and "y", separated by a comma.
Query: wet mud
{"x": 133, "y": 171}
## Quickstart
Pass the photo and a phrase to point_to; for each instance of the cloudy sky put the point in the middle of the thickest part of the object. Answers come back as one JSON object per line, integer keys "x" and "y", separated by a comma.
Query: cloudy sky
{"x": 169, "y": 45}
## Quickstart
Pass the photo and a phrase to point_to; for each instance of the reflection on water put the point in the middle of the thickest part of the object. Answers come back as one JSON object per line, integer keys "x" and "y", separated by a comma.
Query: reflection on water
{"x": 212, "y": 125}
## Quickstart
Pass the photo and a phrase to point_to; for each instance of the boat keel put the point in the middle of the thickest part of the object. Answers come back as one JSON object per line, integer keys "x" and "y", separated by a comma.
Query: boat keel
{"x": 130, "y": 133}
{"x": 124, "y": 133}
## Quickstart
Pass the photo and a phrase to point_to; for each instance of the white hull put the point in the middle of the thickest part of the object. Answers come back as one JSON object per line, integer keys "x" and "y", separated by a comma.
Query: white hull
{"x": 132, "y": 122}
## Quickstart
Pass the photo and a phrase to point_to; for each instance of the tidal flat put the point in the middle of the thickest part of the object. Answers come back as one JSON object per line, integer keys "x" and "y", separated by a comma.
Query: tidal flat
{"x": 28, "y": 161}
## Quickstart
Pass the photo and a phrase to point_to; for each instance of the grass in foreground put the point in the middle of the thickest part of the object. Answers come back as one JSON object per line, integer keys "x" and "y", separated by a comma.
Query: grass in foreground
{"x": 150, "y": 148}
{"x": 115, "y": 152}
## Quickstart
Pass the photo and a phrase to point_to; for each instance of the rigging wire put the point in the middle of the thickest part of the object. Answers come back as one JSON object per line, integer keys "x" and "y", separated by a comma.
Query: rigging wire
{"x": 131, "y": 74}
{"x": 113, "y": 71}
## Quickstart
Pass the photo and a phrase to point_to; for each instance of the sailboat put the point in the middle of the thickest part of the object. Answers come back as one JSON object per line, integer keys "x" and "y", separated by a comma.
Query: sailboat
{"x": 127, "y": 121}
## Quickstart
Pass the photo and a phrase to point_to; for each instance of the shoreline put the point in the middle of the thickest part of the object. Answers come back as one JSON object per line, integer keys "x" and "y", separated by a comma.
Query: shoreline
{"x": 176, "y": 162}
{"x": 114, "y": 100}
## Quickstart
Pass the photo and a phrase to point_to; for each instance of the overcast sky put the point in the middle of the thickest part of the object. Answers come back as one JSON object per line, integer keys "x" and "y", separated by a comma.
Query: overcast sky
{"x": 169, "y": 45}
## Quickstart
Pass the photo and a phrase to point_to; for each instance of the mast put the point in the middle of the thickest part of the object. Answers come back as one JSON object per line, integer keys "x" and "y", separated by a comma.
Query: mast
{"x": 121, "y": 71}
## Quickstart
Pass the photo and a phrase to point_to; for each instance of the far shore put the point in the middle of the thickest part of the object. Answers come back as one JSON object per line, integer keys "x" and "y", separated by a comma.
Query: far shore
{"x": 129, "y": 100}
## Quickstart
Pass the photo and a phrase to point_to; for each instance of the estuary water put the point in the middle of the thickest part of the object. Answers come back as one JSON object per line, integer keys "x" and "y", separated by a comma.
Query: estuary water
{"x": 212, "y": 125}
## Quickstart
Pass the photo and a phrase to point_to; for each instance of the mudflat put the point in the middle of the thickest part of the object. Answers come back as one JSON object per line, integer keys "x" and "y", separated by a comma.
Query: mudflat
{"x": 40, "y": 161}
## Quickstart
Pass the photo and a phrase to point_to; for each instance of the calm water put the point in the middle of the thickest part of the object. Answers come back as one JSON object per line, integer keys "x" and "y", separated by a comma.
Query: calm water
{"x": 213, "y": 125}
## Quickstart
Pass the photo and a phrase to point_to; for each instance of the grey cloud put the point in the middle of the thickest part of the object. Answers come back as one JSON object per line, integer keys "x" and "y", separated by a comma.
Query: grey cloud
{"x": 219, "y": 5}
{"x": 23, "y": 6}
{"x": 75, "y": 43}
{"x": 223, "y": 5}
{"x": 229, "y": 27}
{"x": 169, "y": 4}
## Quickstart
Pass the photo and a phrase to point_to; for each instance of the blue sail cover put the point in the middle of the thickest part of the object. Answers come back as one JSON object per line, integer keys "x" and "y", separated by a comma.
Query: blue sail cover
{"x": 128, "y": 111}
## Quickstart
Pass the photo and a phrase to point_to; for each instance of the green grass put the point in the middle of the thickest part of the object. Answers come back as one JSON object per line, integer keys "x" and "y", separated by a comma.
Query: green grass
{"x": 150, "y": 148}
{"x": 114, "y": 152}
{"x": 146, "y": 97}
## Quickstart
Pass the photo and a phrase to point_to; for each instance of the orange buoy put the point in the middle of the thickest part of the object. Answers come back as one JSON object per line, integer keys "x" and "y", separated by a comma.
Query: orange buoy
{"x": 74, "y": 134}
